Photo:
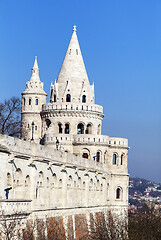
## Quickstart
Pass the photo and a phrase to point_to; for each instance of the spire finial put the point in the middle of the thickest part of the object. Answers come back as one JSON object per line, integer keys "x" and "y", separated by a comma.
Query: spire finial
{"x": 74, "y": 28}
{"x": 35, "y": 63}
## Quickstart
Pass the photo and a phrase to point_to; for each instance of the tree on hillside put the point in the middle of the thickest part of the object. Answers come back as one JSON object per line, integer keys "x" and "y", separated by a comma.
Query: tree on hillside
{"x": 10, "y": 117}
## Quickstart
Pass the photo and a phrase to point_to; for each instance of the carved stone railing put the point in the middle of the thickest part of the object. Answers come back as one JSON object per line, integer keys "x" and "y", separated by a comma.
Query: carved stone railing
{"x": 72, "y": 107}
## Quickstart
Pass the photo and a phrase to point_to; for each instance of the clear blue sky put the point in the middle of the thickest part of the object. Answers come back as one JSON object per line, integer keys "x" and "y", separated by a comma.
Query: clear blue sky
{"x": 121, "y": 45}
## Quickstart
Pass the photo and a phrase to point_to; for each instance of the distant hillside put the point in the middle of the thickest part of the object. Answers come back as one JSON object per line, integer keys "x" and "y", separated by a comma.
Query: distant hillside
{"x": 143, "y": 186}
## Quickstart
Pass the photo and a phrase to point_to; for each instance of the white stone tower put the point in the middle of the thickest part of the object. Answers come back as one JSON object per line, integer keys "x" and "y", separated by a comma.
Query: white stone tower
{"x": 71, "y": 110}
{"x": 32, "y": 100}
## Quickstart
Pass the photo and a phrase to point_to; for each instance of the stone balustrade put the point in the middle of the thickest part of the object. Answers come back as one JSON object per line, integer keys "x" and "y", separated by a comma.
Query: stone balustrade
{"x": 72, "y": 107}
{"x": 89, "y": 139}
{"x": 12, "y": 207}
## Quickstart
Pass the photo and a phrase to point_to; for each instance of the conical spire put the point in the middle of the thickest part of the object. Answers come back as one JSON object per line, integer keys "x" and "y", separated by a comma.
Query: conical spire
{"x": 73, "y": 68}
{"x": 35, "y": 85}
{"x": 35, "y": 71}
{"x": 35, "y": 64}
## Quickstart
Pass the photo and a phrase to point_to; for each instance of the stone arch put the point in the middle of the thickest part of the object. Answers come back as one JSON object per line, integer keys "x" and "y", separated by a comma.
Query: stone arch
{"x": 89, "y": 128}
{"x": 122, "y": 158}
{"x": 85, "y": 153}
{"x": 84, "y": 99}
{"x": 67, "y": 128}
{"x": 18, "y": 184}
{"x": 114, "y": 158}
{"x": 27, "y": 187}
{"x": 91, "y": 184}
{"x": 70, "y": 182}
{"x": 80, "y": 128}
{"x": 68, "y": 98}
{"x": 48, "y": 122}
{"x": 40, "y": 188}
{"x": 105, "y": 156}
{"x": 60, "y": 183}
{"x": 98, "y": 156}
{"x": 79, "y": 185}
{"x": 54, "y": 180}
{"x": 9, "y": 180}
{"x": 99, "y": 129}
{"x": 119, "y": 193}
{"x": 98, "y": 185}
{"x": 60, "y": 127}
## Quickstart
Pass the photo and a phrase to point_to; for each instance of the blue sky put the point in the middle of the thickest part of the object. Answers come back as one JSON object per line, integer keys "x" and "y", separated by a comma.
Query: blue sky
{"x": 121, "y": 45}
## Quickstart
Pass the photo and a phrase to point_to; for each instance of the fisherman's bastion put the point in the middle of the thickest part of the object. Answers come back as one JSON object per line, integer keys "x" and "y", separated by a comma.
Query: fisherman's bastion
{"x": 62, "y": 166}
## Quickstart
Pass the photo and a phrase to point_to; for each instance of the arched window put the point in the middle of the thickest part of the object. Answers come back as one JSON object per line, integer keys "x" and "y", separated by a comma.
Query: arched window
{"x": 99, "y": 129}
{"x": 68, "y": 98}
{"x": 84, "y": 99}
{"x": 118, "y": 193}
{"x": 114, "y": 159}
{"x": 9, "y": 182}
{"x": 27, "y": 181}
{"x": 54, "y": 180}
{"x": 60, "y": 183}
{"x": 60, "y": 127}
{"x": 54, "y": 97}
{"x": 91, "y": 184}
{"x": 24, "y": 101}
{"x": 85, "y": 155}
{"x": 80, "y": 128}
{"x": 89, "y": 129}
{"x": 98, "y": 156}
{"x": 37, "y": 101}
{"x": 67, "y": 128}
{"x": 122, "y": 157}
{"x": 29, "y": 101}
{"x": 48, "y": 122}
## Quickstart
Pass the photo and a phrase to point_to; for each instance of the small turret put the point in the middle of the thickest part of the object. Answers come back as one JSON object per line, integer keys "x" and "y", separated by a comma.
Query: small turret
{"x": 32, "y": 100}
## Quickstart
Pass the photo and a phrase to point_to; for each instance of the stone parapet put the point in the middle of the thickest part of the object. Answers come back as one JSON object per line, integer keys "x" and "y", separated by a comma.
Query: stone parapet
{"x": 15, "y": 207}
{"x": 89, "y": 139}
{"x": 72, "y": 107}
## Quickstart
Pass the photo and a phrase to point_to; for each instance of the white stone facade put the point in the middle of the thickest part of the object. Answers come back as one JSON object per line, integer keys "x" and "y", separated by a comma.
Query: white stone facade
{"x": 62, "y": 161}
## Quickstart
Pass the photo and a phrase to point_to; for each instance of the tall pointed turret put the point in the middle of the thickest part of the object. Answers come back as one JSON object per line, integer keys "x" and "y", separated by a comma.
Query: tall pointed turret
{"x": 73, "y": 68}
{"x": 73, "y": 79}
{"x": 35, "y": 85}
{"x": 32, "y": 100}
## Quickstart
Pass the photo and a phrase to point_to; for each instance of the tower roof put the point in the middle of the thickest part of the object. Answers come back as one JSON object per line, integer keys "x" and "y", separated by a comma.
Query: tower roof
{"x": 34, "y": 86}
{"x": 73, "y": 68}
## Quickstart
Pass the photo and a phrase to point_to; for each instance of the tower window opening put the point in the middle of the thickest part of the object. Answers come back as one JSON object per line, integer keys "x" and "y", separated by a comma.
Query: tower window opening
{"x": 60, "y": 127}
{"x": 99, "y": 129}
{"x": 54, "y": 97}
{"x": 29, "y": 101}
{"x": 67, "y": 128}
{"x": 114, "y": 159}
{"x": 98, "y": 156}
{"x": 77, "y": 51}
{"x": 35, "y": 127}
{"x": 118, "y": 193}
{"x": 24, "y": 101}
{"x": 89, "y": 129}
{"x": 85, "y": 155}
{"x": 37, "y": 101}
{"x": 84, "y": 99}
{"x": 70, "y": 51}
{"x": 48, "y": 122}
{"x": 122, "y": 157}
{"x": 80, "y": 128}
{"x": 68, "y": 98}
